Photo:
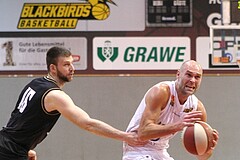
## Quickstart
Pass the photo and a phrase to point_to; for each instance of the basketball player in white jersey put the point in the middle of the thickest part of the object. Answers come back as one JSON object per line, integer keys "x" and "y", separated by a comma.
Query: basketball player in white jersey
{"x": 166, "y": 109}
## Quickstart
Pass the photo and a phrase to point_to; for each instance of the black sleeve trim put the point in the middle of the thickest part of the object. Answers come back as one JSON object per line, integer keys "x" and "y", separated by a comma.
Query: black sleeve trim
{"x": 42, "y": 102}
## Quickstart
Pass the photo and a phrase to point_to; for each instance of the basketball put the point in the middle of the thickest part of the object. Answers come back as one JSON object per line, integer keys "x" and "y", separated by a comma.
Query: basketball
{"x": 100, "y": 11}
{"x": 197, "y": 138}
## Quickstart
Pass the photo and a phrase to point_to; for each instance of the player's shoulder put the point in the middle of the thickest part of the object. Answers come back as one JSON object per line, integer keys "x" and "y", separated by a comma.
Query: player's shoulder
{"x": 57, "y": 94}
{"x": 199, "y": 103}
{"x": 57, "y": 98}
{"x": 162, "y": 86}
{"x": 160, "y": 89}
{"x": 158, "y": 95}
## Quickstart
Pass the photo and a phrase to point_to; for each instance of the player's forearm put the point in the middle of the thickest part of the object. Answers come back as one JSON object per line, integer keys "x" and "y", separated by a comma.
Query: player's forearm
{"x": 155, "y": 131}
{"x": 102, "y": 129}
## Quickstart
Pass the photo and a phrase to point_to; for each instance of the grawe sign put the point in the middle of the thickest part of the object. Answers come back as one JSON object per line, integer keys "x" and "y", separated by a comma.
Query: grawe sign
{"x": 140, "y": 53}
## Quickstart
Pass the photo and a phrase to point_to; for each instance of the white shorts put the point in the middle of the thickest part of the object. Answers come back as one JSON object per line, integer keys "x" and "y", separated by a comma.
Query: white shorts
{"x": 147, "y": 155}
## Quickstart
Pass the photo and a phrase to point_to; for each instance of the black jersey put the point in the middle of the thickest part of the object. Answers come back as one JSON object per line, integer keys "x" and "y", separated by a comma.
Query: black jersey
{"x": 30, "y": 122}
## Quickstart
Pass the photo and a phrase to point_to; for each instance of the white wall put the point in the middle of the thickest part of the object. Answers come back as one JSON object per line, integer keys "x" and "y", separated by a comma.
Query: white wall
{"x": 114, "y": 100}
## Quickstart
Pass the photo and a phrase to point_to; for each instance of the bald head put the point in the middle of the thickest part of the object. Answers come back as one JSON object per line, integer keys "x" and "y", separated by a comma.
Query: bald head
{"x": 192, "y": 66}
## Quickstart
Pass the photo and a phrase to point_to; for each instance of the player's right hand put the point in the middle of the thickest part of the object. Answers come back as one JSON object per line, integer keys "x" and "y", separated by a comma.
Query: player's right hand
{"x": 188, "y": 119}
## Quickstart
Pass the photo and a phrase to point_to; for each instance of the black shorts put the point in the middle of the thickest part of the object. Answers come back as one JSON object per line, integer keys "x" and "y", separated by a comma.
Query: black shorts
{"x": 10, "y": 151}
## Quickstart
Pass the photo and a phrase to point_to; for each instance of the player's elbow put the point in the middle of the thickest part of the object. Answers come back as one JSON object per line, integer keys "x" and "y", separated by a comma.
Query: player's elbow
{"x": 88, "y": 125}
{"x": 142, "y": 135}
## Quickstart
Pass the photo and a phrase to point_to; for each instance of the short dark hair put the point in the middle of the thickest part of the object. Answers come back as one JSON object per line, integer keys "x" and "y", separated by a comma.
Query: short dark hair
{"x": 53, "y": 54}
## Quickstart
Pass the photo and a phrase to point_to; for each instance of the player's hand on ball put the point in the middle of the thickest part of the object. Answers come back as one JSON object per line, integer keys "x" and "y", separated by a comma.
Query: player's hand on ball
{"x": 188, "y": 119}
{"x": 32, "y": 155}
{"x": 213, "y": 141}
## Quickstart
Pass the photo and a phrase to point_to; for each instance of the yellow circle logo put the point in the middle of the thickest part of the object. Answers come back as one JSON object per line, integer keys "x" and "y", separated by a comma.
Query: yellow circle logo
{"x": 100, "y": 11}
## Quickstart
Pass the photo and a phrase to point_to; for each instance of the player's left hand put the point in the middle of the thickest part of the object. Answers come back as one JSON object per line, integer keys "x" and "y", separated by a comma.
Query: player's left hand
{"x": 133, "y": 140}
{"x": 214, "y": 140}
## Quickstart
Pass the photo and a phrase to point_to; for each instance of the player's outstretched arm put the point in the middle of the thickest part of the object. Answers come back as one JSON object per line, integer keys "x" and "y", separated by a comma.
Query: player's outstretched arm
{"x": 58, "y": 100}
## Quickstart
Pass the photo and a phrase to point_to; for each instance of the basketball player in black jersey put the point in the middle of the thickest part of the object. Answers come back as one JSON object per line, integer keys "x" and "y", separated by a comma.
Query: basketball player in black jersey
{"x": 40, "y": 105}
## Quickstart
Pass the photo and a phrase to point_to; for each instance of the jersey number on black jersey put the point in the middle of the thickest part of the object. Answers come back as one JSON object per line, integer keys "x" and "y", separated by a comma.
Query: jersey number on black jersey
{"x": 27, "y": 96}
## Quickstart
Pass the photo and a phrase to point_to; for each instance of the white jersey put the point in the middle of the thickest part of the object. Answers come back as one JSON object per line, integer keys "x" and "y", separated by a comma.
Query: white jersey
{"x": 157, "y": 148}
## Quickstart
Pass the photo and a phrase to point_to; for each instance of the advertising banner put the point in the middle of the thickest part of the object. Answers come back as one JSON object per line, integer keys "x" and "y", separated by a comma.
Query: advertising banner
{"x": 140, "y": 53}
{"x": 28, "y": 54}
{"x": 72, "y": 15}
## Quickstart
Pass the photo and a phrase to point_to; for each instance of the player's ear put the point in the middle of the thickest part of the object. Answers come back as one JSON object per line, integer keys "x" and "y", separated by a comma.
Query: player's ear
{"x": 177, "y": 74}
{"x": 53, "y": 68}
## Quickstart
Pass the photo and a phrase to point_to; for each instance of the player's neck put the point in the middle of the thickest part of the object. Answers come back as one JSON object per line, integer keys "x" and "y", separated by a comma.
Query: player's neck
{"x": 54, "y": 78}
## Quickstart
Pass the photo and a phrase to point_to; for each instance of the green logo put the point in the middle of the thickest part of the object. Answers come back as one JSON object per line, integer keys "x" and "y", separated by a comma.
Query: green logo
{"x": 107, "y": 52}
